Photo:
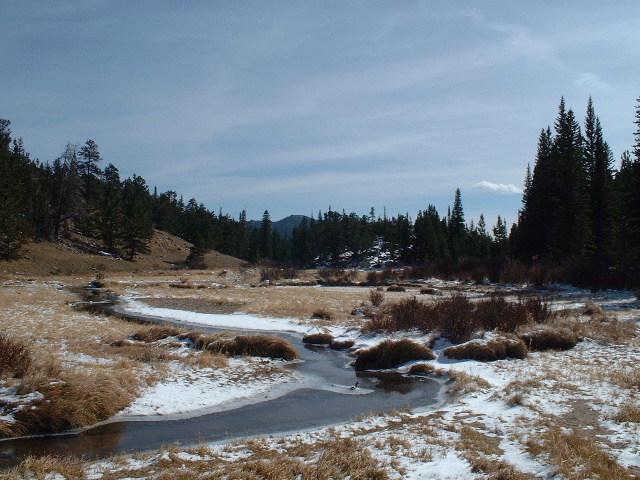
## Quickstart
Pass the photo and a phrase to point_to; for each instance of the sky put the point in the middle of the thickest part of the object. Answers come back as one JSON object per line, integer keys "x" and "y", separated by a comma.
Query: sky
{"x": 300, "y": 106}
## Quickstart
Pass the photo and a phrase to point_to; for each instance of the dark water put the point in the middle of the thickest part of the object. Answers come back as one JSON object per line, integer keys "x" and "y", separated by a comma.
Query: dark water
{"x": 308, "y": 407}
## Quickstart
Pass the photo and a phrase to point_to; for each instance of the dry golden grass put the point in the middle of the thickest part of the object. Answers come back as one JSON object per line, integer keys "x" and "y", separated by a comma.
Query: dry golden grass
{"x": 574, "y": 456}
{"x": 326, "y": 458}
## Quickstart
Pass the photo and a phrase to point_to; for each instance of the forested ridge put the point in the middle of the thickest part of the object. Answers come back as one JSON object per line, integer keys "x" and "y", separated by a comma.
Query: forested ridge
{"x": 579, "y": 221}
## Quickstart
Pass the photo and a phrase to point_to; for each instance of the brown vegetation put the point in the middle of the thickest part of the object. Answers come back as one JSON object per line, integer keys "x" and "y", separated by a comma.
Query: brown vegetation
{"x": 550, "y": 338}
{"x": 15, "y": 357}
{"x": 391, "y": 354}
{"x": 457, "y": 318}
{"x": 255, "y": 346}
{"x": 488, "y": 351}
{"x": 318, "y": 338}
{"x": 321, "y": 314}
{"x": 341, "y": 344}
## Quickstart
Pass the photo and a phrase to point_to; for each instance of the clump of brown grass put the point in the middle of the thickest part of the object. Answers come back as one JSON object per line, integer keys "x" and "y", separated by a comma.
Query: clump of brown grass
{"x": 255, "y": 346}
{"x": 489, "y": 351}
{"x": 15, "y": 357}
{"x": 318, "y": 338}
{"x": 390, "y": 354}
{"x": 591, "y": 309}
{"x": 321, "y": 314}
{"x": 155, "y": 333}
{"x": 341, "y": 344}
{"x": 463, "y": 383}
{"x": 550, "y": 338}
{"x": 376, "y": 297}
{"x": 497, "y": 469}
{"x": 628, "y": 412}
{"x": 422, "y": 369}
{"x": 396, "y": 288}
{"x": 428, "y": 291}
{"x": 78, "y": 398}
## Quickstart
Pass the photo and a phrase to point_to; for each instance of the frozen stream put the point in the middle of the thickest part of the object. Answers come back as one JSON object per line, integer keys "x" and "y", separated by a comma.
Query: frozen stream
{"x": 315, "y": 404}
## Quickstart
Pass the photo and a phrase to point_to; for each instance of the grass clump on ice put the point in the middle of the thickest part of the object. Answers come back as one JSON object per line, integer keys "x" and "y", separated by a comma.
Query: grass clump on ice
{"x": 390, "y": 354}
{"x": 318, "y": 338}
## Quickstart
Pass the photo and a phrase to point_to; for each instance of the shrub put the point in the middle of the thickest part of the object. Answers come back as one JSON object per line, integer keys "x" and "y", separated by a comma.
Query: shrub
{"x": 337, "y": 277}
{"x": 550, "y": 339}
{"x": 318, "y": 339}
{"x": 376, "y": 298}
{"x": 455, "y": 318}
{"x": 15, "y": 357}
{"x": 321, "y": 314}
{"x": 494, "y": 349}
{"x": 383, "y": 277}
{"x": 390, "y": 354}
{"x": 341, "y": 344}
{"x": 255, "y": 346}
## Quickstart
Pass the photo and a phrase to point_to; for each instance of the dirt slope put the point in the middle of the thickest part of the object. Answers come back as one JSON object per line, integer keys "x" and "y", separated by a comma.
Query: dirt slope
{"x": 79, "y": 255}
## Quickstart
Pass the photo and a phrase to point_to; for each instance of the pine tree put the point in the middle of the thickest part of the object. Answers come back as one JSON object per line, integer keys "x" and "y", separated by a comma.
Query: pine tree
{"x": 598, "y": 163}
{"x": 13, "y": 227}
{"x": 111, "y": 208}
{"x": 137, "y": 225}
{"x": 265, "y": 236}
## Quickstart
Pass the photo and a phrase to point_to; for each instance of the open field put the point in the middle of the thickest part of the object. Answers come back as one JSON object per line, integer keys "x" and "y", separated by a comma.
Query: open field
{"x": 554, "y": 414}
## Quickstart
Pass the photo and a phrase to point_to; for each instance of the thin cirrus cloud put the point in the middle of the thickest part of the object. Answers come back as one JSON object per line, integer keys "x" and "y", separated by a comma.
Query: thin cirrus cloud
{"x": 500, "y": 188}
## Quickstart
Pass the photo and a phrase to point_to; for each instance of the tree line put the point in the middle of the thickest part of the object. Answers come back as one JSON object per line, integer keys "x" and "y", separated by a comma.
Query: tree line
{"x": 578, "y": 211}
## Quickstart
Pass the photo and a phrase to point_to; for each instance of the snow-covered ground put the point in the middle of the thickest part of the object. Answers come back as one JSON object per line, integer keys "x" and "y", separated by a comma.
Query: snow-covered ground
{"x": 509, "y": 400}
{"x": 510, "y": 412}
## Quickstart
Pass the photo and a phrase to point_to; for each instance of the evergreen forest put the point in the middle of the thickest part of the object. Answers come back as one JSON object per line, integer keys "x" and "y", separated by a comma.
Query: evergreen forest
{"x": 579, "y": 221}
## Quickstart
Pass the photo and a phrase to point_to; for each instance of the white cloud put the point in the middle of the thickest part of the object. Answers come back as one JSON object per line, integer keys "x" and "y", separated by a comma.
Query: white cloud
{"x": 591, "y": 82}
{"x": 500, "y": 188}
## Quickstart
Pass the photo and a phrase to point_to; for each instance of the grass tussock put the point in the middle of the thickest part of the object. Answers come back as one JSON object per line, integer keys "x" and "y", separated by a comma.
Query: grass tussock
{"x": 341, "y": 344}
{"x": 457, "y": 318}
{"x": 396, "y": 288}
{"x": 423, "y": 369}
{"x": 391, "y": 354}
{"x": 15, "y": 357}
{"x": 488, "y": 351}
{"x": 255, "y": 346}
{"x": 322, "y": 314}
{"x": 155, "y": 333}
{"x": 318, "y": 339}
{"x": 550, "y": 338}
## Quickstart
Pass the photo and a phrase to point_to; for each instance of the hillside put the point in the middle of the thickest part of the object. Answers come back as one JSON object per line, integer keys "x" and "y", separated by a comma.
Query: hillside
{"x": 79, "y": 255}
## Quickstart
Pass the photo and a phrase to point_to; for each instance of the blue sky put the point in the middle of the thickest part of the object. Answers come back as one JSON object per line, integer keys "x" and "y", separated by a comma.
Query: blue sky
{"x": 299, "y": 106}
